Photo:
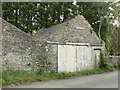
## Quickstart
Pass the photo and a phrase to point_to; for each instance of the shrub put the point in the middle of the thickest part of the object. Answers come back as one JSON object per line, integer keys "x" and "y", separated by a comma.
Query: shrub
{"x": 104, "y": 63}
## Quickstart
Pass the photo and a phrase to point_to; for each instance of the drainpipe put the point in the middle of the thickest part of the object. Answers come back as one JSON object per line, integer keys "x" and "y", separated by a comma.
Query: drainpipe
{"x": 102, "y": 41}
{"x": 100, "y": 29}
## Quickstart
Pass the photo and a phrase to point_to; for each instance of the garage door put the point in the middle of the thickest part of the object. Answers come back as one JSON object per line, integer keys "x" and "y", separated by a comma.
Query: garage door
{"x": 74, "y": 58}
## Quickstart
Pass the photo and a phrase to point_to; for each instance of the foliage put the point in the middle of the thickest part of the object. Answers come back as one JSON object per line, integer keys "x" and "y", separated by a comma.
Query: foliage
{"x": 16, "y": 77}
{"x": 118, "y": 66}
{"x": 115, "y": 42}
{"x": 104, "y": 63}
{"x": 32, "y": 16}
{"x": 19, "y": 77}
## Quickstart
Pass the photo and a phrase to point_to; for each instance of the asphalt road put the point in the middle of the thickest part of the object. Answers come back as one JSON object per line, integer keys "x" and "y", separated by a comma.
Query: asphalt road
{"x": 106, "y": 80}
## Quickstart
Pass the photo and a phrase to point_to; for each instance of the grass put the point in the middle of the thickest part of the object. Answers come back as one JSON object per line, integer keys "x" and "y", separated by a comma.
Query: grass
{"x": 20, "y": 77}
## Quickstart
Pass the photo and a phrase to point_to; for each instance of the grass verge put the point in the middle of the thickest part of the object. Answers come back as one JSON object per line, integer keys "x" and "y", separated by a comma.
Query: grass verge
{"x": 20, "y": 77}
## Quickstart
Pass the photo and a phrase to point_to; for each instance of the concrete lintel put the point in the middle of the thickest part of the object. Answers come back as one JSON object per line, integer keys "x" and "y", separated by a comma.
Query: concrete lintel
{"x": 69, "y": 43}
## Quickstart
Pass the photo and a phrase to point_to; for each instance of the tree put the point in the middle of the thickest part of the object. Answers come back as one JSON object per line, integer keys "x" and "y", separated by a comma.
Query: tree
{"x": 31, "y": 17}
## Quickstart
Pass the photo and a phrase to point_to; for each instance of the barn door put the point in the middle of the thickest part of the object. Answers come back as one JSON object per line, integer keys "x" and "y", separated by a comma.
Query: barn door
{"x": 66, "y": 58}
{"x": 74, "y": 58}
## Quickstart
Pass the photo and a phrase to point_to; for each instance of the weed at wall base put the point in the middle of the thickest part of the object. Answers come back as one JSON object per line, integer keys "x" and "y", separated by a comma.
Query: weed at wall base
{"x": 104, "y": 63}
{"x": 21, "y": 77}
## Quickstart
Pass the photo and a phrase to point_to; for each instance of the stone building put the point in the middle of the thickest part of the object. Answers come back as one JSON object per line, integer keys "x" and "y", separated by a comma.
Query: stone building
{"x": 67, "y": 47}
{"x": 72, "y": 45}
{"x": 20, "y": 51}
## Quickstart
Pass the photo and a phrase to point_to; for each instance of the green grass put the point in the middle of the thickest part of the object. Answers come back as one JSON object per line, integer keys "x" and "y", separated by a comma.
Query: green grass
{"x": 19, "y": 77}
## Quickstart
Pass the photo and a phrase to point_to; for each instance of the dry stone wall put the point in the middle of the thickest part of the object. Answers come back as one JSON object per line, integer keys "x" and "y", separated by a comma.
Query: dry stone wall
{"x": 114, "y": 60}
{"x": 20, "y": 50}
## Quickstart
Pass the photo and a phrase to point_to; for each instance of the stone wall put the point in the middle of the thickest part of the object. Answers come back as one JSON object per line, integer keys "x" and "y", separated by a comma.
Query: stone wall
{"x": 114, "y": 60}
{"x": 69, "y": 32}
{"x": 20, "y": 50}
{"x": 51, "y": 54}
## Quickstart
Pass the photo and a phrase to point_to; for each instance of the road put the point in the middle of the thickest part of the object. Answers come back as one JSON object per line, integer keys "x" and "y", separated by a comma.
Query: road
{"x": 106, "y": 80}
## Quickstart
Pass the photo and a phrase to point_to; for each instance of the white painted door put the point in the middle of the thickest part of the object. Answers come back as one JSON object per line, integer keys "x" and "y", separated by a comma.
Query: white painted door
{"x": 74, "y": 58}
{"x": 66, "y": 58}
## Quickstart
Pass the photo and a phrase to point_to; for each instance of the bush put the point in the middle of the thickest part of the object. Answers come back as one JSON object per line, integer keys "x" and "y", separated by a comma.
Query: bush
{"x": 104, "y": 63}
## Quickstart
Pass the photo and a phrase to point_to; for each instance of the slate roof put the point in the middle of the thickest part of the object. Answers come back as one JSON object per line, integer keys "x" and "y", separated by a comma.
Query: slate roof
{"x": 67, "y": 32}
{"x": 46, "y": 32}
